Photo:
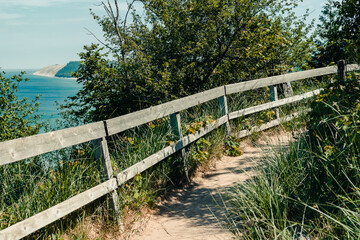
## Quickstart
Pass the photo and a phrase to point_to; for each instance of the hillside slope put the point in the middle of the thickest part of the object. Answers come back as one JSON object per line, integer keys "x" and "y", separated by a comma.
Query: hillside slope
{"x": 66, "y": 71}
{"x": 49, "y": 71}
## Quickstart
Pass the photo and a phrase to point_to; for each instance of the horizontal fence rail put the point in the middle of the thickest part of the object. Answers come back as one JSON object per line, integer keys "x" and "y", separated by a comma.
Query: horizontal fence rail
{"x": 60, "y": 210}
{"x": 273, "y": 104}
{"x": 131, "y": 120}
{"x": 27, "y": 147}
{"x": 273, "y": 123}
{"x": 22, "y": 148}
{"x": 270, "y": 81}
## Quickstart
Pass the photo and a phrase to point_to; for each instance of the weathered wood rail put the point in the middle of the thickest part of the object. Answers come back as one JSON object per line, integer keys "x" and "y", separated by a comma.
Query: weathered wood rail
{"x": 23, "y": 148}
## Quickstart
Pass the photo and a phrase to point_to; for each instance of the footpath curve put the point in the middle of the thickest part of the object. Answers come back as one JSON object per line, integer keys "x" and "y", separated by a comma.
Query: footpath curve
{"x": 192, "y": 213}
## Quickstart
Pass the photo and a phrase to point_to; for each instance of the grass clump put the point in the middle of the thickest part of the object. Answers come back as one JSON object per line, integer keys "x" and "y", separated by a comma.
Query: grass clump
{"x": 34, "y": 185}
{"x": 309, "y": 189}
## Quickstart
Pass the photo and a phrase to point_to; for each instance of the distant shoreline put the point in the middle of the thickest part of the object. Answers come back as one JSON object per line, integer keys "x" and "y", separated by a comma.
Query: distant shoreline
{"x": 43, "y": 75}
{"x": 59, "y": 71}
{"x": 51, "y": 75}
{"x": 49, "y": 71}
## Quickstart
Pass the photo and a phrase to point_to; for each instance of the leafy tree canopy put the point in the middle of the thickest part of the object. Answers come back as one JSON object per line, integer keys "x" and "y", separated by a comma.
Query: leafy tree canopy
{"x": 339, "y": 33}
{"x": 349, "y": 12}
{"x": 181, "y": 47}
{"x": 18, "y": 117}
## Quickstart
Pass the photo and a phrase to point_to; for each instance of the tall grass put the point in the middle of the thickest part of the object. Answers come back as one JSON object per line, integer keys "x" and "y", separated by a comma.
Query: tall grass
{"x": 310, "y": 189}
{"x": 31, "y": 186}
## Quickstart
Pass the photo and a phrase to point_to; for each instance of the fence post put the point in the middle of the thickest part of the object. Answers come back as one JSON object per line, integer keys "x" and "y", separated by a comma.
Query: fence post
{"x": 342, "y": 71}
{"x": 102, "y": 154}
{"x": 288, "y": 90}
{"x": 175, "y": 123}
{"x": 224, "y": 111}
{"x": 274, "y": 97}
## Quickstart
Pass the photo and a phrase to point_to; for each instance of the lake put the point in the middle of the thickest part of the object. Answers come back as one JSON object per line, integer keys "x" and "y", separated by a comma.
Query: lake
{"x": 51, "y": 91}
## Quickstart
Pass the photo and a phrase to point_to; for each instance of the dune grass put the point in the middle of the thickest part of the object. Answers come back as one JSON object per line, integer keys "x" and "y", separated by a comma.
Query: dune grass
{"x": 310, "y": 189}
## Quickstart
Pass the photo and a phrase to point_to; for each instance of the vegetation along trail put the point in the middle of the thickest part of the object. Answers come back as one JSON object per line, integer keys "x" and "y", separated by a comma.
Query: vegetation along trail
{"x": 194, "y": 213}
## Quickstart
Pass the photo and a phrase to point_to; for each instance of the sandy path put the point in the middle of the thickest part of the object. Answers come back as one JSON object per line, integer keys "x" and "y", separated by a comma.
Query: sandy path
{"x": 187, "y": 215}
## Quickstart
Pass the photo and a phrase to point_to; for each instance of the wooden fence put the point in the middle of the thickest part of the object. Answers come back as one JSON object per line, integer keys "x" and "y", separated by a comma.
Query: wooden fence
{"x": 23, "y": 148}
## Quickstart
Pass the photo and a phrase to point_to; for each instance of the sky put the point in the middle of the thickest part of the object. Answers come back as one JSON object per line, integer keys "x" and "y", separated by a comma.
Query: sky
{"x": 38, "y": 33}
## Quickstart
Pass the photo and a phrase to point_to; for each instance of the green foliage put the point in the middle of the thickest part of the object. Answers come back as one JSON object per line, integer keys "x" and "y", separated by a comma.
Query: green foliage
{"x": 335, "y": 135}
{"x": 330, "y": 42}
{"x": 179, "y": 48}
{"x": 232, "y": 146}
{"x": 201, "y": 152}
{"x": 68, "y": 70}
{"x": 197, "y": 124}
{"x": 138, "y": 193}
{"x": 338, "y": 33}
{"x": 18, "y": 117}
{"x": 349, "y": 17}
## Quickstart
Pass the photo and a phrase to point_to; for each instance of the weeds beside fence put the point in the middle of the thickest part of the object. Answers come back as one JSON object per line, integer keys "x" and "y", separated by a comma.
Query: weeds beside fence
{"x": 309, "y": 189}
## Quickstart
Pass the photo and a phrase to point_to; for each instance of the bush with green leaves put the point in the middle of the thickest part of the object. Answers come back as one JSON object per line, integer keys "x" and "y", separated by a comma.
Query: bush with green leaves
{"x": 338, "y": 33}
{"x": 18, "y": 116}
{"x": 232, "y": 146}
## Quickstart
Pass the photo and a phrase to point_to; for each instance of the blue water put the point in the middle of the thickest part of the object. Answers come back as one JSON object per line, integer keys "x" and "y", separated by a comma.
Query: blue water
{"x": 51, "y": 90}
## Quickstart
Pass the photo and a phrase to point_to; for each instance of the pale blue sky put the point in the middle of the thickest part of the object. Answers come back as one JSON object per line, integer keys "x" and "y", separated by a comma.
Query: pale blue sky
{"x": 37, "y": 33}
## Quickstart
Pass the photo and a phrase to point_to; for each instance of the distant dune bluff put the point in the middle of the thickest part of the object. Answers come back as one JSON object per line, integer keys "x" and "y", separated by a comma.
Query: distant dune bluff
{"x": 49, "y": 71}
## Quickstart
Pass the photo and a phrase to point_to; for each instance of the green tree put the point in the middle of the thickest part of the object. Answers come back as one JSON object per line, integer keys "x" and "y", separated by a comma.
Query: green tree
{"x": 349, "y": 19}
{"x": 18, "y": 117}
{"x": 182, "y": 47}
{"x": 330, "y": 47}
{"x": 338, "y": 33}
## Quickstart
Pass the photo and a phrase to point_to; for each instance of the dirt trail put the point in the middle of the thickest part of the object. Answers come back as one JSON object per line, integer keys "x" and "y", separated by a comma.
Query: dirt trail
{"x": 189, "y": 213}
